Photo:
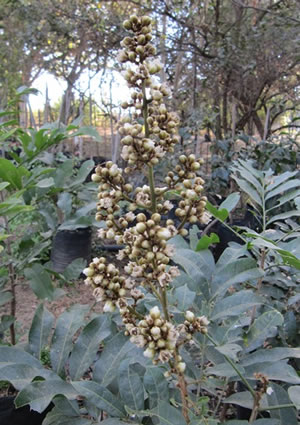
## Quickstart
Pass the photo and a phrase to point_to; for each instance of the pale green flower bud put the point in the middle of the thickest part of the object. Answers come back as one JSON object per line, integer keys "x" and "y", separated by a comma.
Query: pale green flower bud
{"x": 171, "y": 345}
{"x": 148, "y": 144}
{"x": 134, "y": 19}
{"x": 147, "y": 30}
{"x": 114, "y": 170}
{"x": 181, "y": 367}
{"x": 191, "y": 194}
{"x": 140, "y": 50}
{"x": 161, "y": 343}
{"x": 171, "y": 124}
{"x": 141, "y": 227}
{"x": 109, "y": 307}
{"x": 164, "y": 233}
{"x": 127, "y": 140}
{"x": 157, "y": 95}
{"x": 155, "y": 331}
{"x": 162, "y": 109}
{"x": 141, "y": 39}
{"x": 189, "y": 315}
{"x": 95, "y": 178}
{"x": 195, "y": 166}
{"x": 132, "y": 56}
{"x": 183, "y": 232}
{"x": 187, "y": 183}
{"x": 149, "y": 352}
{"x": 89, "y": 271}
{"x": 150, "y": 256}
{"x": 127, "y": 25}
{"x": 193, "y": 219}
{"x": 110, "y": 234}
{"x": 146, "y": 20}
{"x": 156, "y": 217}
{"x": 155, "y": 312}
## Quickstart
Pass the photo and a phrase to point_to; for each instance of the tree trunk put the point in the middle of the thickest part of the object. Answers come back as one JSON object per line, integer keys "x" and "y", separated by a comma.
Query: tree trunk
{"x": 224, "y": 111}
{"x": 216, "y": 109}
{"x": 258, "y": 124}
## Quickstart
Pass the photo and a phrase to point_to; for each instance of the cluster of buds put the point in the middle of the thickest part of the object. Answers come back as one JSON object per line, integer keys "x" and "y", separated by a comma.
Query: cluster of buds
{"x": 156, "y": 335}
{"x": 149, "y": 143}
{"x": 148, "y": 251}
{"x": 147, "y": 134}
{"x": 137, "y": 48}
{"x": 191, "y": 209}
{"x": 108, "y": 285}
{"x": 111, "y": 190}
{"x": 193, "y": 324}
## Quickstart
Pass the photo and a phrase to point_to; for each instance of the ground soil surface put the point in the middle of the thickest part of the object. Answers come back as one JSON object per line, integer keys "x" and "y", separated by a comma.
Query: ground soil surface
{"x": 27, "y": 302}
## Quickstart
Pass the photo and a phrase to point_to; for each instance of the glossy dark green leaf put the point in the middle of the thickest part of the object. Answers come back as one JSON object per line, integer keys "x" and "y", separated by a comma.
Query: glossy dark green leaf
{"x": 67, "y": 324}
{"x": 283, "y": 188}
{"x": 257, "y": 422}
{"x": 279, "y": 371}
{"x": 13, "y": 355}
{"x": 117, "y": 349}
{"x": 40, "y": 330}
{"x": 236, "y": 304}
{"x": 130, "y": 386}
{"x": 271, "y": 355}
{"x": 229, "y": 350}
{"x": 195, "y": 264}
{"x": 294, "y": 394}
{"x": 279, "y": 396}
{"x": 5, "y": 297}
{"x": 249, "y": 189}
{"x": 65, "y": 203}
{"x": 73, "y": 270}
{"x": 40, "y": 281}
{"x": 183, "y": 298}
{"x": 39, "y": 394}
{"x": 167, "y": 414}
{"x": 101, "y": 397}
{"x": 88, "y": 131}
{"x": 156, "y": 385}
{"x": 45, "y": 183}
{"x": 56, "y": 417}
{"x": 83, "y": 172}
{"x": 87, "y": 345}
{"x": 240, "y": 270}
{"x": 19, "y": 375}
{"x": 3, "y": 185}
{"x": 263, "y": 325}
{"x": 231, "y": 201}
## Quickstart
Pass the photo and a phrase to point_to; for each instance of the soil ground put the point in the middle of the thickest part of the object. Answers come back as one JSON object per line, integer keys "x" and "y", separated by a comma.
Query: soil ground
{"x": 27, "y": 303}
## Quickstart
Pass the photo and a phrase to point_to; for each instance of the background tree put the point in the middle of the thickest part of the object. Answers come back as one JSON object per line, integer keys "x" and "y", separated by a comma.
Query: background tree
{"x": 233, "y": 54}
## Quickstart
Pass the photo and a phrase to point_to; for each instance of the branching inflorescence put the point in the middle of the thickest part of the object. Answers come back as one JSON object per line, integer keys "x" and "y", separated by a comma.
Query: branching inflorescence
{"x": 148, "y": 134}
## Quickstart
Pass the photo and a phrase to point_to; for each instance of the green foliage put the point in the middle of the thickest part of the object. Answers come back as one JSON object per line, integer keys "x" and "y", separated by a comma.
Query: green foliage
{"x": 247, "y": 306}
{"x": 35, "y": 200}
{"x": 243, "y": 303}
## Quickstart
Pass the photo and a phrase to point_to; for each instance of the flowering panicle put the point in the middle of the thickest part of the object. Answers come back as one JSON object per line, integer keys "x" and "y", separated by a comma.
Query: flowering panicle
{"x": 105, "y": 278}
{"x": 147, "y": 135}
{"x": 155, "y": 334}
{"x": 193, "y": 324}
